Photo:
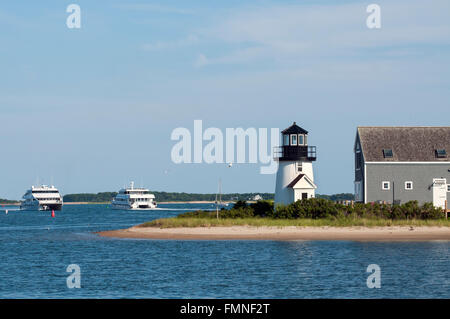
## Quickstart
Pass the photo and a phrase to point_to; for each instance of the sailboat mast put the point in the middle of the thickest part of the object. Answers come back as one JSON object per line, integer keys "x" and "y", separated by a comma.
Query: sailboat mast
{"x": 220, "y": 198}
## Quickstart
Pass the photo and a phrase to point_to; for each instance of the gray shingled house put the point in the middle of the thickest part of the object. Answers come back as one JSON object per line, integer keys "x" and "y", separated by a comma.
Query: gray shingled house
{"x": 400, "y": 164}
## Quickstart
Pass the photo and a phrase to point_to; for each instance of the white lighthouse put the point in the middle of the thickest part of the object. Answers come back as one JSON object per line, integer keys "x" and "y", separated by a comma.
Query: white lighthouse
{"x": 295, "y": 177}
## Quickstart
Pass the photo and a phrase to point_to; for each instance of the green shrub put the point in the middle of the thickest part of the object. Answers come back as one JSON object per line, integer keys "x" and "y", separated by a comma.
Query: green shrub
{"x": 319, "y": 208}
{"x": 240, "y": 204}
{"x": 262, "y": 208}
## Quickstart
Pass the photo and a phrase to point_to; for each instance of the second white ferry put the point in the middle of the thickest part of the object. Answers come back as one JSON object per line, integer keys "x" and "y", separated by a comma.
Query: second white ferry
{"x": 42, "y": 198}
{"x": 134, "y": 199}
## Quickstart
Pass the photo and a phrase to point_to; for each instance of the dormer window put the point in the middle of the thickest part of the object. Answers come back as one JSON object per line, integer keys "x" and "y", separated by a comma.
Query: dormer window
{"x": 387, "y": 153}
{"x": 294, "y": 139}
{"x": 441, "y": 153}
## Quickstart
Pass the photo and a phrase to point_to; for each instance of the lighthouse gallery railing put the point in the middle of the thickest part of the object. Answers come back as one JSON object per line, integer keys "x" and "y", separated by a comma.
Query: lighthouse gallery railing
{"x": 295, "y": 152}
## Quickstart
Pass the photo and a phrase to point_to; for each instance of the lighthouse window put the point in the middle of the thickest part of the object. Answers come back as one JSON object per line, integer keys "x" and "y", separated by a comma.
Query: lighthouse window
{"x": 300, "y": 139}
{"x": 299, "y": 167}
{"x": 286, "y": 140}
{"x": 293, "y": 139}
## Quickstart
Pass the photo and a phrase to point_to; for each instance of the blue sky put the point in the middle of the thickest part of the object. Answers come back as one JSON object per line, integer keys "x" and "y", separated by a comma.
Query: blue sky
{"x": 91, "y": 109}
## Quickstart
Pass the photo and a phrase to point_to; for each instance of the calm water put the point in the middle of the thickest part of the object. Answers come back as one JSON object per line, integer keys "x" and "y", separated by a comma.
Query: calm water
{"x": 35, "y": 250}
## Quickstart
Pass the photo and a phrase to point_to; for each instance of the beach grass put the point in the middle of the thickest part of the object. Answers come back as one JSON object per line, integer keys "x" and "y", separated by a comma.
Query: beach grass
{"x": 300, "y": 222}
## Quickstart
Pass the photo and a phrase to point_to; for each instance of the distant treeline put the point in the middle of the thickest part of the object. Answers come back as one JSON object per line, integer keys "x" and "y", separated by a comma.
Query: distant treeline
{"x": 7, "y": 201}
{"x": 335, "y": 197}
{"x": 86, "y": 197}
{"x": 186, "y": 197}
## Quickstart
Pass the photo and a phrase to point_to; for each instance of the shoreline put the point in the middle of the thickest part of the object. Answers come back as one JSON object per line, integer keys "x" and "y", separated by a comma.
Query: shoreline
{"x": 106, "y": 203}
{"x": 288, "y": 233}
{"x": 170, "y": 202}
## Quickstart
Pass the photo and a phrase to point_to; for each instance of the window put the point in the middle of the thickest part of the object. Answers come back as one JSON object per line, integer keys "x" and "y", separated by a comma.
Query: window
{"x": 358, "y": 195}
{"x": 294, "y": 139}
{"x": 306, "y": 139}
{"x": 299, "y": 167}
{"x": 408, "y": 185}
{"x": 358, "y": 160}
{"x": 441, "y": 153}
{"x": 387, "y": 153}
{"x": 300, "y": 139}
{"x": 286, "y": 139}
{"x": 386, "y": 185}
{"x": 448, "y": 188}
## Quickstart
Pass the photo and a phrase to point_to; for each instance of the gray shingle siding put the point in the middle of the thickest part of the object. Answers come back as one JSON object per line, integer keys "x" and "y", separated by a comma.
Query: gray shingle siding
{"x": 359, "y": 170}
{"x": 397, "y": 174}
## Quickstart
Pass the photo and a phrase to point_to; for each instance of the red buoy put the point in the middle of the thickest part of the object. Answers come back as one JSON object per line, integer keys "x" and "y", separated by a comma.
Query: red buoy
{"x": 53, "y": 213}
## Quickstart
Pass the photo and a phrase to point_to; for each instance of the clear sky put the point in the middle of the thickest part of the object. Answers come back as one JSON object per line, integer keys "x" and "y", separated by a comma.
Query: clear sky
{"x": 90, "y": 109}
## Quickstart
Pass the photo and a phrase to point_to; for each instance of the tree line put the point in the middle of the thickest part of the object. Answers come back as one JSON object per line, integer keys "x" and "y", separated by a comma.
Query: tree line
{"x": 186, "y": 197}
{"x": 181, "y": 197}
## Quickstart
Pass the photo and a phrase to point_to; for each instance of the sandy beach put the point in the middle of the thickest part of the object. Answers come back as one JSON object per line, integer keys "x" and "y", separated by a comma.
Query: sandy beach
{"x": 395, "y": 233}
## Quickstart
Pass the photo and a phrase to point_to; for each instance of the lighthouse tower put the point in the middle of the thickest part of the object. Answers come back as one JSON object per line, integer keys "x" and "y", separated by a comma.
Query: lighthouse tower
{"x": 295, "y": 177}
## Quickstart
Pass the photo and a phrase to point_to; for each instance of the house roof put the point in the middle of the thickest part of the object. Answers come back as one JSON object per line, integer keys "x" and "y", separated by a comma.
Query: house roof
{"x": 296, "y": 180}
{"x": 294, "y": 129}
{"x": 408, "y": 144}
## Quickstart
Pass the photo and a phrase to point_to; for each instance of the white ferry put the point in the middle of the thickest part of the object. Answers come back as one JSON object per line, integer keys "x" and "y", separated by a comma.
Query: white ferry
{"x": 134, "y": 199}
{"x": 42, "y": 198}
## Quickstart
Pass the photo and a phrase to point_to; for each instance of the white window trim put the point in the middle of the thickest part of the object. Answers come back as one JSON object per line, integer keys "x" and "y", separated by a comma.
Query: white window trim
{"x": 406, "y": 185}
{"x": 299, "y": 164}
{"x": 382, "y": 185}
{"x": 296, "y": 137}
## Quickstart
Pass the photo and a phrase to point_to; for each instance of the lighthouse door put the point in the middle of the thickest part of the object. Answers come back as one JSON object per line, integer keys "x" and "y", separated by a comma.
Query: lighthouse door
{"x": 439, "y": 192}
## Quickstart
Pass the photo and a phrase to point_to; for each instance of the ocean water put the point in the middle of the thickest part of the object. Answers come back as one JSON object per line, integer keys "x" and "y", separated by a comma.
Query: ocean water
{"x": 36, "y": 249}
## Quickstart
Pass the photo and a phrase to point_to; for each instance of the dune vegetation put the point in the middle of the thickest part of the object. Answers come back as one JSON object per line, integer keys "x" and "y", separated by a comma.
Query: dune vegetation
{"x": 310, "y": 212}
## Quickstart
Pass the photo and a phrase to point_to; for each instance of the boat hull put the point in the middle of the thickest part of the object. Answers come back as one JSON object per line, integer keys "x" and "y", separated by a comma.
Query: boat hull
{"x": 128, "y": 207}
{"x": 41, "y": 207}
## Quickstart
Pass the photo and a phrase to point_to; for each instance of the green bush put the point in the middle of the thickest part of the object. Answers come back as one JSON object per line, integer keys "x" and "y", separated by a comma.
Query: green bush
{"x": 240, "y": 204}
{"x": 316, "y": 208}
{"x": 319, "y": 208}
{"x": 262, "y": 208}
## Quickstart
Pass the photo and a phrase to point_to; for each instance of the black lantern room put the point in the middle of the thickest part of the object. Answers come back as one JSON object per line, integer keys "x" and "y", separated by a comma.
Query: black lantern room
{"x": 295, "y": 145}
